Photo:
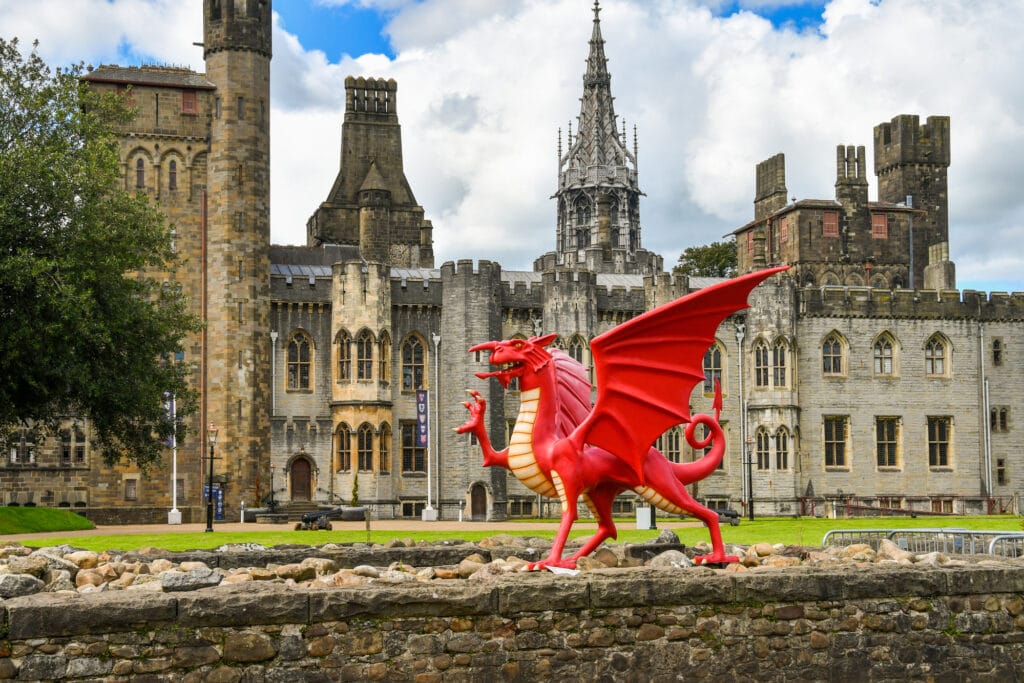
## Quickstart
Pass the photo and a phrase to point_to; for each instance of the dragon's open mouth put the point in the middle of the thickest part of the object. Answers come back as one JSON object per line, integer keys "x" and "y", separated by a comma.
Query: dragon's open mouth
{"x": 504, "y": 374}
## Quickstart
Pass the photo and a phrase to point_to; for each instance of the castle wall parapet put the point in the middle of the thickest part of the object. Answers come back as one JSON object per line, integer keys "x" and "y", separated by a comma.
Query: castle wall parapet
{"x": 659, "y": 623}
{"x": 858, "y": 302}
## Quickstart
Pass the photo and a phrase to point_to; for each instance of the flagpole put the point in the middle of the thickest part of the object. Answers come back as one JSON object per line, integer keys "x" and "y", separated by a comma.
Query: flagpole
{"x": 174, "y": 516}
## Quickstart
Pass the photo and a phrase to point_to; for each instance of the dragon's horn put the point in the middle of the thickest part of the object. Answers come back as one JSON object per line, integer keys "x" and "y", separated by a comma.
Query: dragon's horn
{"x": 485, "y": 346}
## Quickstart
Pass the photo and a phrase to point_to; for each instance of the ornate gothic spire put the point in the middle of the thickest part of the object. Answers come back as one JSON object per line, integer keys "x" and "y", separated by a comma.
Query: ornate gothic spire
{"x": 598, "y": 196}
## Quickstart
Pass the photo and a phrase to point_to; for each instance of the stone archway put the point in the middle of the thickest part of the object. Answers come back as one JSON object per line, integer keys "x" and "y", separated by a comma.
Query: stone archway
{"x": 301, "y": 479}
{"x": 478, "y": 503}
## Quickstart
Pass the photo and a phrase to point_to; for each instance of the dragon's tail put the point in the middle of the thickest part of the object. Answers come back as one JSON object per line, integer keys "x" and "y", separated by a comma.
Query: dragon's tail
{"x": 689, "y": 472}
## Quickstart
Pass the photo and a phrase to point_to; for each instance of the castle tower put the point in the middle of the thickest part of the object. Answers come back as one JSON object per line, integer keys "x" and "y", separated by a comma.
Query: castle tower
{"x": 912, "y": 160}
{"x": 236, "y": 386}
{"x": 598, "y": 226}
{"x": 371, "y": 204}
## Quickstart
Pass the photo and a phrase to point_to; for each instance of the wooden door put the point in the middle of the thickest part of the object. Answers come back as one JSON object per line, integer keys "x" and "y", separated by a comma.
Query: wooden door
{"x": 301, "y": 479}
{"x": 478, "y": 503}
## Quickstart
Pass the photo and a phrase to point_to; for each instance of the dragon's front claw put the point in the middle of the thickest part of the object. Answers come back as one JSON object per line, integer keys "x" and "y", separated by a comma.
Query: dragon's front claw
{"x": 718, "y": 557}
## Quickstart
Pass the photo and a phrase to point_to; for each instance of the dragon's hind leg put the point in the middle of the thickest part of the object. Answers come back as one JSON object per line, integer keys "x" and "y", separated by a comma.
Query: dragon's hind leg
{"x": 674, "y": 494}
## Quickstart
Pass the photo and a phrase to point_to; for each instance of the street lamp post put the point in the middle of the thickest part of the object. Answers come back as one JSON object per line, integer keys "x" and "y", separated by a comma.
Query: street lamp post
{"x": 212, "y": 437}
{"x": 272, "y": 504}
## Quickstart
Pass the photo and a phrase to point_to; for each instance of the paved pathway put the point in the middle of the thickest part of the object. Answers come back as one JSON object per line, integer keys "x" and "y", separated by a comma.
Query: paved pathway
{"x": 544, "y": 528}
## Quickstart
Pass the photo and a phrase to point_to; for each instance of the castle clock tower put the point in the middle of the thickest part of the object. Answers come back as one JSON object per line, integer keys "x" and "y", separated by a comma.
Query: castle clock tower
{"x": 236, "y": 297}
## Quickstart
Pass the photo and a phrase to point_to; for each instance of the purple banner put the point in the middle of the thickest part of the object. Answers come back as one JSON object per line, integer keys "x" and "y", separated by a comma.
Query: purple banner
{"x": 422, "y": 421}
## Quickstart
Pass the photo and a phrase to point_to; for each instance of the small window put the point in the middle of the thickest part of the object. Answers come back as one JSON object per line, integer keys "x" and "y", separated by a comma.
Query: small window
{"x": 836, "y": 429}
{"x": 939, "y": 433}
{"x": 131, "y": 489}
{"x": 189, "y": 103}
{"x": 344, "y": 357}
{"x": 879, "y": 226}
{"x": 576, "y": 349}
{"x": 216, "y": 107}
{"x": 140, "y": 174}
{"x": 750, "y": 241}
{"x": 364, "y": 356}
{"x": 832, "y": 355}
{"x": 780, "y": 353}
{"x": 830, "y": 224}
{"x": 670, "y": 444}
{"x": 365, "y": 439}
{"x": 882, "y": 352}
{"x": 997, "y": 352}
{"x": 414, "y": 457}
{"x": 782, "y": 449}
{"x": 935, "y": 364}
{"x": 763, "y": 450}
{"x": 412, "y": 364}
{"x": 172, "y": 175}
{"x": 343, "y": 449}
{"x": 241, "y": 108}
{"x": 384, "y": 356}
{"x": 999, "y": 419}
{"x": 1001, "y": 477}
{"x": 886, "y": 441}
{"x": 299, "y": 365}
{"x": 784, "y": 229}
{"x": 761, "y": 363}
{"x": 712, "y": 368}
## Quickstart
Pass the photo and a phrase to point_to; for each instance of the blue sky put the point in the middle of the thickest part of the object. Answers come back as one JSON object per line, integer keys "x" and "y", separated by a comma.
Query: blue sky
{"x": 713, "y": 87}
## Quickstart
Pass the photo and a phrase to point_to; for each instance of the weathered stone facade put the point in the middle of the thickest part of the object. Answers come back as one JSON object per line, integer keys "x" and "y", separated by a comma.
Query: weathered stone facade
{"x": 850, "y": 386}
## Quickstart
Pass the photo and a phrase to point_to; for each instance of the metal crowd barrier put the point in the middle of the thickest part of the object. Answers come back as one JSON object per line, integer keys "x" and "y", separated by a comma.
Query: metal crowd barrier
{"x": 949, "y": 540}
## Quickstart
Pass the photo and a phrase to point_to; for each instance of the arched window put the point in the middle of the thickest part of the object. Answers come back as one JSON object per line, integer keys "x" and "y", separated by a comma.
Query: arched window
{"x": 763, "y": 449}
{"x": 583, "y": 213}
{"x": 140, "y": 173}
{"x": 761, "y": 363}
{"x": 343, "y": 448}
{"x": 782, "y": 449}
{"x": 576, "y": 345}
{"x": 172, "y": 175}
{"x": 384, "y": 462}
{"x": 364, "y": 355}
{"x": 935, "y": 357}
{"x": 412, "y": 364}
{"x": 883, "y": 355}
{"x": 780, "y": 353}
{"x": 365, "y": 446}
{"x": 344, "y": 356}
{"x": 384, "y": 375}
{"x": 712, "y": 367}
{"x": 832, "y": 355}
{"x": 299, "y": 365}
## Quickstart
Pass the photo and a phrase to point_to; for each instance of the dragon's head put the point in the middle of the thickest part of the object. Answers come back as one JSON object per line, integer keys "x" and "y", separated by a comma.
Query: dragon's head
{"x": 516, "y": 358}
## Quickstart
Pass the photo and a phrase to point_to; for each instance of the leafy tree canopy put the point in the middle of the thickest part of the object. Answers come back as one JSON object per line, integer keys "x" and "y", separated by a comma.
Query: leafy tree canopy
{"x": 82, "y": 332}
{"x": 717, "y": 259}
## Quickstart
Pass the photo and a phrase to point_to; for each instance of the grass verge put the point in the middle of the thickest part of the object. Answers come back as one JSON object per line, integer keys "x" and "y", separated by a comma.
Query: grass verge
{"x": 30, "y": 520}
{"x": 802, "y": 531}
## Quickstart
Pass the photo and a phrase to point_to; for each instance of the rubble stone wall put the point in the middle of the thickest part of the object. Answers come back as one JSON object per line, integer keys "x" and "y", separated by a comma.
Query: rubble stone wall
{"x": 635, "y": 624}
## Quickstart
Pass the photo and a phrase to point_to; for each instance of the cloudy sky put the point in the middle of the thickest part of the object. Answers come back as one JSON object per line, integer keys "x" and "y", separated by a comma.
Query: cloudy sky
{"x": 713, "y": 86}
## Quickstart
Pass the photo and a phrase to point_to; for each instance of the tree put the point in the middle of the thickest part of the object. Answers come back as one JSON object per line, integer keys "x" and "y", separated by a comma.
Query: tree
{"x": 717, "y": 259}
{"x": 83, "y": 331}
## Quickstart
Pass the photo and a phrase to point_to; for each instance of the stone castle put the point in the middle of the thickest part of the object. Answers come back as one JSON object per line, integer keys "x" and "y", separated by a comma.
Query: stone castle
{"x": 860, "y": 378}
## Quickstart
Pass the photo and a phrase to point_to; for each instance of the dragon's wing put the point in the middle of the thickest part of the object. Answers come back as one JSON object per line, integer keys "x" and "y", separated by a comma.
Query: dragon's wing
{"x": 647, "y": 367}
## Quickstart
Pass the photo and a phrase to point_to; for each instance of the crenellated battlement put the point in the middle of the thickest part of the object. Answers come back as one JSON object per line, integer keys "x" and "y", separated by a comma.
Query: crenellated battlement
{"x": 860, "y": 302}
{"x": 904, "y": 141}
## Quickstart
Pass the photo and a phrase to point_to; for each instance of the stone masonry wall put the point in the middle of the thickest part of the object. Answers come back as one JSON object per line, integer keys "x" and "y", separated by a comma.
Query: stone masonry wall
{"x": 636, "y": 624}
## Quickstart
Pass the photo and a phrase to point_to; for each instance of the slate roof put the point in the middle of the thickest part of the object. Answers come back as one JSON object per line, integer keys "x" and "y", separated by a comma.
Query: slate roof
{"x": 159, "y": 76}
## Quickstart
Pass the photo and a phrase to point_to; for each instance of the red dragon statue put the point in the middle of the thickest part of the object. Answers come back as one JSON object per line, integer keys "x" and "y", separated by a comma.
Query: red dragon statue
{"x": 563, "y": 447}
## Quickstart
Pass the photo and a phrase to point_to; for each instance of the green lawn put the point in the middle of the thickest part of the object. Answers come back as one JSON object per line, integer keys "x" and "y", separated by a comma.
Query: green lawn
{"x": 804, "y": 531}
{"x": 30, "y": 520}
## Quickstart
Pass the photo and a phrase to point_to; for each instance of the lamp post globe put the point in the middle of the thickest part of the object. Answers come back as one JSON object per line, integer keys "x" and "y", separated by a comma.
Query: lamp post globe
{"x": 211, "y": 435}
